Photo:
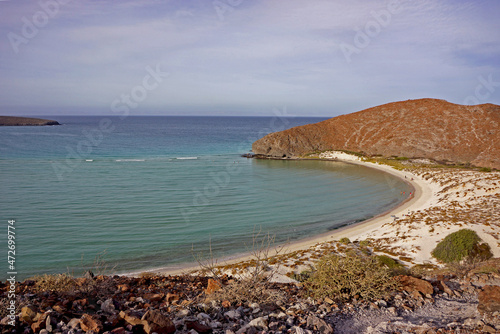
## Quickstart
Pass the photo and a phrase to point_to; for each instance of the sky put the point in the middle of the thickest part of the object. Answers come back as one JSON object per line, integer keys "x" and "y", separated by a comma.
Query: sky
{"x": 244, "y": 57}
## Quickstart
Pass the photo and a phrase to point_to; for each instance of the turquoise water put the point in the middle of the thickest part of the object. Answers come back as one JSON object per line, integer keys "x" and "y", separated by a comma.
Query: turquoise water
{"x": 149, "y": 190}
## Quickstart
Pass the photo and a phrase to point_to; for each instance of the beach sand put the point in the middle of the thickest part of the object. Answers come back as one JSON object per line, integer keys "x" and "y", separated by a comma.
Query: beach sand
{"x": 443, "y": 201}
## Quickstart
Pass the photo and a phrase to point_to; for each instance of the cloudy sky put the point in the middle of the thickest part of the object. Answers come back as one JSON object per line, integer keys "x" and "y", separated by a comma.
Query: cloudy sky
{"x": 244, "y": 57}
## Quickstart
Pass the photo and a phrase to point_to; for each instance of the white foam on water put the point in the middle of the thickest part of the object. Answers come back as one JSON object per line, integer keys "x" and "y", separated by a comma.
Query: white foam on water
{"x": 127, "y": 160}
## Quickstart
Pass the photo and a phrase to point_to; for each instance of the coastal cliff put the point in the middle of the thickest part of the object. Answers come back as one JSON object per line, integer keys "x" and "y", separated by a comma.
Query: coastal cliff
{"x": 25, "y": 121}
{"x": 423, "y": 128}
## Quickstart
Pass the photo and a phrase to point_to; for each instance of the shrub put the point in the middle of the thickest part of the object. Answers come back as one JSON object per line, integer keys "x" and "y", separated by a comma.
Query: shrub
{"x": 461, "y": 245}
{"x": 389, "y": 262}
{"x": 345, "y": 240}
{"x": 350, "y": 276}
{"x": 365, "y": 243}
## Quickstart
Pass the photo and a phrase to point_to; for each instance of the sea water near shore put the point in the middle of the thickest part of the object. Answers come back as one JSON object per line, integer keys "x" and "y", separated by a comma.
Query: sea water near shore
{"x": 149, "y": 190}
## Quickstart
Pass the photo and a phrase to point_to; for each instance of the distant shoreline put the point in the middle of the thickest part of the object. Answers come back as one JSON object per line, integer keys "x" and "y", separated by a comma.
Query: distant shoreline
{"x": 25, "y": 121}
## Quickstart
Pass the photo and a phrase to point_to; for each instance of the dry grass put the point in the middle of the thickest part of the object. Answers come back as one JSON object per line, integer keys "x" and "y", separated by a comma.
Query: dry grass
{"x": 57, "y": 283}
{"x": 254, "y": 284}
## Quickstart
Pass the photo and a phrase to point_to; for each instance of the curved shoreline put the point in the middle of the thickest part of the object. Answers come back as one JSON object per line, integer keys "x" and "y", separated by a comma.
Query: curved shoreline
{"x": 422, "y": 194}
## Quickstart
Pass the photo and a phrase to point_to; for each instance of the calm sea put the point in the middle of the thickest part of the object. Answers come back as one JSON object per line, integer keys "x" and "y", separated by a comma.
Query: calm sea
{"x": 145, "y": 192}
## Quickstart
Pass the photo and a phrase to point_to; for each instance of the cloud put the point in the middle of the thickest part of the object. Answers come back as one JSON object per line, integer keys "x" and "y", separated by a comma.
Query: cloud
{"x": 258, "y": 54}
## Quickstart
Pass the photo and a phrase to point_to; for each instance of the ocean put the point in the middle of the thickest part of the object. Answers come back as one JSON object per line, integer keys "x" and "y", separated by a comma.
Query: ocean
{"x": 140, "y": 193}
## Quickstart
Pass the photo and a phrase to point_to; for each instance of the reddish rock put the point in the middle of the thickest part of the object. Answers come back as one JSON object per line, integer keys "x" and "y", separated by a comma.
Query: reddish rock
{"x": 123, "y": 287}
{"x": 119, "y": 330}
{"x": 27, "y": 314}
{"x": 443, "y": 286}
{"x": 130, "y": 318}
{"x": 226, "y": 304}
{"x": 153, "y": 297}
{"x": 155, "y": 321}
{"x": 489, "y": 299}
{"x": 200, "y": 328}
{"x": 411, "y": 284}
{"x": 90, "y": 323}
{"x": 172, "y": 297}
{"x": 212, "y": 286}
{"x": 39, "y": 322}
{"x": 59, "y": 309}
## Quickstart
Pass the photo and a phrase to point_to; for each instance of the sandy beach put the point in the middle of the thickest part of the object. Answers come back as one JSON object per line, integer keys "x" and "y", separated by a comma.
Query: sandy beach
{"x": 443, "y": 201}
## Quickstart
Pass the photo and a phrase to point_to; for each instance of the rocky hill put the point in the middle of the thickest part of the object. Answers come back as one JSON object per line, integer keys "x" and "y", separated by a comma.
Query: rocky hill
{"x": 22, "y": 121}
{"x": 426, "y": 128}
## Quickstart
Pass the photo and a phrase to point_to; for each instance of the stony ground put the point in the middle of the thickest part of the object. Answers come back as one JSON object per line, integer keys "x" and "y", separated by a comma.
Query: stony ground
{"x": 186, "y": 304}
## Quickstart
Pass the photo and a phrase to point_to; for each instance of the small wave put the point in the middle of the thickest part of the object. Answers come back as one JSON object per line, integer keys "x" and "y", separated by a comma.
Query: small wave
{"x": 89, "y": 160}
{"x": 127, "y": 160}
{"x": 187, "y": 158}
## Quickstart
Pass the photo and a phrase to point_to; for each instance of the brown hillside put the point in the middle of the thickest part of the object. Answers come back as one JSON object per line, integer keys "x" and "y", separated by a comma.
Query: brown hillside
{"x": 23, "y": 121}
{"x": 427, "y": 128}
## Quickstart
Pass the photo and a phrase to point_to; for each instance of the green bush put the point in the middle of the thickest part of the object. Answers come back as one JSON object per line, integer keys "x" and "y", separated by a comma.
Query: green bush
{"x": 464, "y": 244}
{"x": 389, "y": 262}
{"x": 346, "y": 277}
{"x": 345, "y": 240}
{"x": 365, "y": 243}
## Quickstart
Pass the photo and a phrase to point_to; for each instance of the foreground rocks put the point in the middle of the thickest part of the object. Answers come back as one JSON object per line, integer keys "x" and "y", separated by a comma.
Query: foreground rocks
{"x": 183, "y": 304}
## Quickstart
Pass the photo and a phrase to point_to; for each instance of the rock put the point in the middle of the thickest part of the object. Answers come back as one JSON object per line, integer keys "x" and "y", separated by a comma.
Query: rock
{"x": 232, "y": 314}
{"x": 49, "y": 321}
{"x": 119, "y": 330}
{"x": 74, "y": 323}
{"x": 489, "y": 299}
{"x": 153, "y": 297}
{"x": 123, "y": 287}
{"x": 329, "y": 301}
{"x": 319, "y": 325}
{"x": 416, "y": 295}
{"x": 108, "y": 307}
{"x": 183, "y": 313}
{"x": 155, "y": 321}
{"x": 90, "y": 323}
{"x": 198, "y": 327}
{"x": 59, "y": 309}
{"x": 212, "y": 286}
{"x": 443, "y": 286}
{"x": 410, "y": 284}
{"x": 172, "y": 297}
{"x": 226, "y": 304}
{"x": 392, "y": 310}
{"x": 297, "y": 330}
{"x": 488, "y": 329}
{"x": 27, "y": 315}
{"x": 130, "y": 318}
{"x": 260, "y": 322}
{"x": 38, "y": 322}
